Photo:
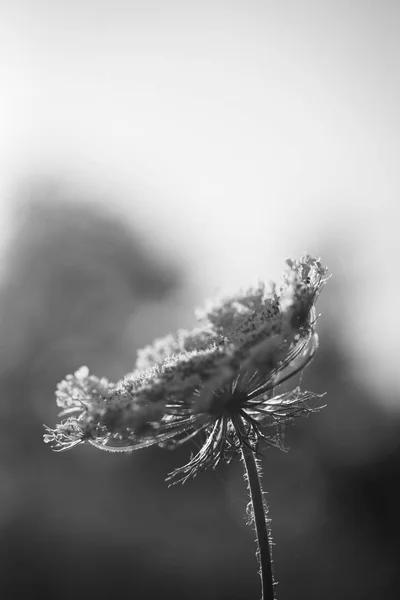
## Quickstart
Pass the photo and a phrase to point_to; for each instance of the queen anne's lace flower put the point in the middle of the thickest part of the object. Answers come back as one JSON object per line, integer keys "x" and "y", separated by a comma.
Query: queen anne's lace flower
{"x": 219, "y": 378}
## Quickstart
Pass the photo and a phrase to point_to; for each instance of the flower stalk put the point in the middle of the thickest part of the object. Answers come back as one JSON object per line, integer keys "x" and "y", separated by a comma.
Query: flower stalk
{"x": 259, "y": 512}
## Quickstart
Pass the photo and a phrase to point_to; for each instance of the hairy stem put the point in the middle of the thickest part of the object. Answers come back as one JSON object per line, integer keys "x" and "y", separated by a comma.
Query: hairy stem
{"x": 259, "y": 512}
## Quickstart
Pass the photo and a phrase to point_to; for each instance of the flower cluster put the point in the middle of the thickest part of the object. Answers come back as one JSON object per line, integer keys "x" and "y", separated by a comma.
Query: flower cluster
{"x": 219, "y": 378}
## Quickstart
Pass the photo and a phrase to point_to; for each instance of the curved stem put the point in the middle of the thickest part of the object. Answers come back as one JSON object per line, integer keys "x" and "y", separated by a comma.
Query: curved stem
{"x": 259, "y": 511}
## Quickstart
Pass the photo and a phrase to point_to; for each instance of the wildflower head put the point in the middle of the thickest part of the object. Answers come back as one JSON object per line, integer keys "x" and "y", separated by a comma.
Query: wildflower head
{"x": 219, "y": 378}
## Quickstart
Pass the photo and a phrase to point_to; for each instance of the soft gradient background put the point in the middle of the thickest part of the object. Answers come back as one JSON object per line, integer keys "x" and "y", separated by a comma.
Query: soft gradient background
{"x": 153, "y": 154}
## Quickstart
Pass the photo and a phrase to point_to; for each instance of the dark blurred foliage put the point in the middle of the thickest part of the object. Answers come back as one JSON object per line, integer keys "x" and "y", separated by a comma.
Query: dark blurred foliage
{"x": 87, "y": 524}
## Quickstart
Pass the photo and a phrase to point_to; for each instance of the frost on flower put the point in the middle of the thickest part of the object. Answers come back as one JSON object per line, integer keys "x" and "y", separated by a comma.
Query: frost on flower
{"x": 220, "y": 378}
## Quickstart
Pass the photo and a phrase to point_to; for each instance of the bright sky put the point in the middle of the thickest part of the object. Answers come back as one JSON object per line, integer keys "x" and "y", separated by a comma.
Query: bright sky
{"x": 245, "y": 132}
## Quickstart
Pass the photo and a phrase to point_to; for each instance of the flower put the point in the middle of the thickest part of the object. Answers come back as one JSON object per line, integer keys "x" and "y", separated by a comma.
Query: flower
{"x": 219, "y": 378}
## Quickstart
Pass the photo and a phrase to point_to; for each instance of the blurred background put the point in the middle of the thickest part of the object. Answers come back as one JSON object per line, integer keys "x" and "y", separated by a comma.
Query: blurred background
{"x": 154, "y": 154}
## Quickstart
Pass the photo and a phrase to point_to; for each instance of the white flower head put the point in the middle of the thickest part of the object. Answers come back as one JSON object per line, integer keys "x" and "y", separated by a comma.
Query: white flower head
{"x": 205, "y": 380}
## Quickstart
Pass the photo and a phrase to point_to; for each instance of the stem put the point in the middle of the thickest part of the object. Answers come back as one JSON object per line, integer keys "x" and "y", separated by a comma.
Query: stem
{"x": 259, "y": 511}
